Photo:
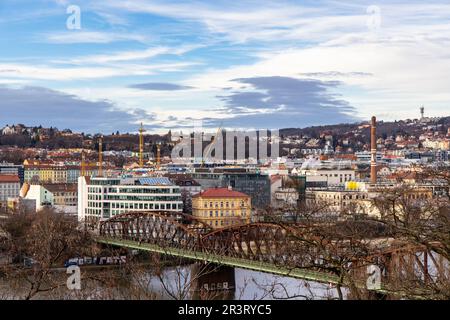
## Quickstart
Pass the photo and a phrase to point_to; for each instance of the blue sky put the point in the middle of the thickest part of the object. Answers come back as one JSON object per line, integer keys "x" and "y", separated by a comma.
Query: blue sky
{"x": 251, "y": 64}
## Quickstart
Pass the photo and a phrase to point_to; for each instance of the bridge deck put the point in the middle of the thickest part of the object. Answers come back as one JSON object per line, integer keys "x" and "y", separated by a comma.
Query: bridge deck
{"x": 228, "y": 261}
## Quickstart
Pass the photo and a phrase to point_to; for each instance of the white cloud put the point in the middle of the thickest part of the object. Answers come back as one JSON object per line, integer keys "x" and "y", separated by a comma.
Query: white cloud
{"x": 45, "y": 72}
{"x": 71, "y": 36}
{"x": 128, "y": 55}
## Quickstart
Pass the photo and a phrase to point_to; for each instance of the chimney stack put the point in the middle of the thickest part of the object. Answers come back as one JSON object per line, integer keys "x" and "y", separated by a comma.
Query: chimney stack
{"x": 373, "y": 151}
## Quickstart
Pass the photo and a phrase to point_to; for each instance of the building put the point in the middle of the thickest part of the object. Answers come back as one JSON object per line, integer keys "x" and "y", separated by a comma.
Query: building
{"x": 12, "y": 169}
{"x": 61, "y": 196}
{"x": 287, "y": 191}
{"x": 53, "y": 173}
{"x": 9, "y": 188}
{"x": 358, "y": 197}
{"x": 188, "y": 188}
{"x": 335, "y": 200}
{"x": 244, "y": 180}
{"x": 20, "y": 205}
{"x": 222, "y": 207}
{"x": 330, "y": 177}
{"x": 104, "y": 197}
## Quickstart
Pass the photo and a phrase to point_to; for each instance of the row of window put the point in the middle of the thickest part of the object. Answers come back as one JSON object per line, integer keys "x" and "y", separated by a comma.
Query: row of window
{"x": 138, "y": 206}
{"x": 224, "y": 222}
{"x": 143, "y": 198}
{"x": 345, "y": 197}
{"x": 222, "y": 204}
{"x": 133, "y": 190}
{"x": 223, "y": 213}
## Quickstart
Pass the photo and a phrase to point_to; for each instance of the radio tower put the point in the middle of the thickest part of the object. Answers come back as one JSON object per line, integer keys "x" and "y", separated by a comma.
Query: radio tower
{"x": 422, "y": 111}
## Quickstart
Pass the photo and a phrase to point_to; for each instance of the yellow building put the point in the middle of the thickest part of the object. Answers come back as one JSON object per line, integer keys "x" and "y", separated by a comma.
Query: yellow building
{"x": 222, "y": 207}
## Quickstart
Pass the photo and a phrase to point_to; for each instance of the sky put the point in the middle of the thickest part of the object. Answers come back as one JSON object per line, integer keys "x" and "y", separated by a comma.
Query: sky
{"x": 106, "y": 66}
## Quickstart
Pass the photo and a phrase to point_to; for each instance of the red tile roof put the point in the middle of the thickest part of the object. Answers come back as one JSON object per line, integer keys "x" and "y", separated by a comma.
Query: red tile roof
{"x": 9, "y": 178}
{"x": 220, "y": 193}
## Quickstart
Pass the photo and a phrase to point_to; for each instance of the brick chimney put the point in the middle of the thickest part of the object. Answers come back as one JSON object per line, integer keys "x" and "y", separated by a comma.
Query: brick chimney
{"x": 373, "y": 151}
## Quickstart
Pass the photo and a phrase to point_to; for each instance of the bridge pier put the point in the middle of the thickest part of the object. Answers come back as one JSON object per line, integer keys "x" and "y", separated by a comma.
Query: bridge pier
{"x": 212, "y": 281}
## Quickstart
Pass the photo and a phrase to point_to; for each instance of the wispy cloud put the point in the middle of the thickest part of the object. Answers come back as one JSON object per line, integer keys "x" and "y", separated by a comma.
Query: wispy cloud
{"x": 71, "y": 37}
{"x": 160, "y": 86}
{"x": 128, "y": 55}
{"x": 44, "y": 72}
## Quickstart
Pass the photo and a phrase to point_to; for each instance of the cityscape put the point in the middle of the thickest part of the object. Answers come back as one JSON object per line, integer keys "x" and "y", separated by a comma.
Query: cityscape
{"x": 166, "y": 150}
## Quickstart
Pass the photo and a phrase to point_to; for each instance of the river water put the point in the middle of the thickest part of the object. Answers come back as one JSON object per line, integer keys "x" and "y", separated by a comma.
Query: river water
{"x": 175, "y": 283}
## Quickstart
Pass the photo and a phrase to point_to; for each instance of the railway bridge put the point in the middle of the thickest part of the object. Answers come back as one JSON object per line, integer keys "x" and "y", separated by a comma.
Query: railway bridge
{"x": 295, "y": 250}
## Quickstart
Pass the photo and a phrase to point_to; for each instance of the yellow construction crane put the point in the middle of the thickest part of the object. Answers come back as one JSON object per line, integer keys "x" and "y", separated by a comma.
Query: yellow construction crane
{"x": 158, "y": 155}
{"x": 141, "y": 146}
{"x": 83, "y": 163}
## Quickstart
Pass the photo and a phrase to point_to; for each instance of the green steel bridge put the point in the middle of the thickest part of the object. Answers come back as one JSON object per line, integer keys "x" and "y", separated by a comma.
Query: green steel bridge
{"x": 293, "y": 251}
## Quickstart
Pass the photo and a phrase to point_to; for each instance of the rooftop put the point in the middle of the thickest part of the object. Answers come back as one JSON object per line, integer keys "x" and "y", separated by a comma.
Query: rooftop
{"x": 220, "y": 193}
{"x": 9, "y": 178}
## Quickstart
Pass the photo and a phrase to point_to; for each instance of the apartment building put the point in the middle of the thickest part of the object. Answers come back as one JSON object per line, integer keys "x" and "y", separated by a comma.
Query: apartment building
{"x": 329, "y": 176}
{"x": 61, "y": 196}
{"x": 49, "y": 173}
{"x": 12, "y": 169}
{"x": 9, "y": 188}
{"x": 222, "y": 207}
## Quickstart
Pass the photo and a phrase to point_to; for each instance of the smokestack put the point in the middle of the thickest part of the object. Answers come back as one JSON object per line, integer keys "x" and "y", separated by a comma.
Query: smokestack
{"x": 373, "y": 151}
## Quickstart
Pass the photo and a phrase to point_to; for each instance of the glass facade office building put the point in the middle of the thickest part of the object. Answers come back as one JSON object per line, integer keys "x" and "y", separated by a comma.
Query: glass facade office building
{"x": 101, "y": 198}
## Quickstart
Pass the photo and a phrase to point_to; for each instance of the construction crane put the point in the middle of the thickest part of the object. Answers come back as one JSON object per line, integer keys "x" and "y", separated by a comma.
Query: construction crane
{"x": 158, "y": 155}
{"x": 85, "y": 165}
{"x": 141, "y": 146}
{"x": 209, "y": 147}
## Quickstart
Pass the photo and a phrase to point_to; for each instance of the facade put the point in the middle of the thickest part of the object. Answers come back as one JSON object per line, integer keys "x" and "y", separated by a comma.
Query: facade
{"x": 252, "y": 183}
{"x": 188, "y": 188}
{"x": 20, "y": 204}
{"x": 335, "y": 200}
{"x": 104, "y": 197}
{"x": 60, "y": 196}
{"x": 331, "y": 176}
{"x": 12, "y": 169}
{"x": 358, "y": 197}
{"x": 222, "y": 207}
{"x": 46, "y": 173}
{"x": 9, "y": 188}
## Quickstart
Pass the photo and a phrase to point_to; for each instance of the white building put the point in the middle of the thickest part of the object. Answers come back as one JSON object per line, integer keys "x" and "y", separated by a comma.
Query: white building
{"x": 60, "y": 196}
{"x": 104, "y": 197}
{"x": 9, "y": 188}
{"x": 331, "y": 176}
